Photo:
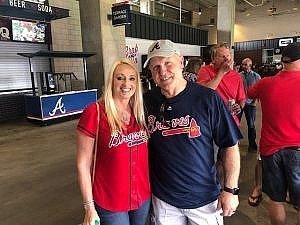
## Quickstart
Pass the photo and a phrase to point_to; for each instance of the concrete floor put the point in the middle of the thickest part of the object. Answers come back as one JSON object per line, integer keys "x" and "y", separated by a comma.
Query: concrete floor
{"x": 38, "y": 177}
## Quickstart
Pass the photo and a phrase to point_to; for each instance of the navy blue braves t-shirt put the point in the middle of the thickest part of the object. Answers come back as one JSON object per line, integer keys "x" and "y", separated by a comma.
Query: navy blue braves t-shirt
{"x": 182, "y": 131}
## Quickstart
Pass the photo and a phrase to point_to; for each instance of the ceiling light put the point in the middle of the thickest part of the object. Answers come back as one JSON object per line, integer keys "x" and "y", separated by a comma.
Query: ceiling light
{"x": 200, "y": 11}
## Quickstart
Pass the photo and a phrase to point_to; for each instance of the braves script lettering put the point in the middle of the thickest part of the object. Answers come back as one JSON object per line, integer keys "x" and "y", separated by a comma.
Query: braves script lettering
{"x": 182, "y": 125}
{"x": 131, "y": 139}
{"x": 58, "y": 106}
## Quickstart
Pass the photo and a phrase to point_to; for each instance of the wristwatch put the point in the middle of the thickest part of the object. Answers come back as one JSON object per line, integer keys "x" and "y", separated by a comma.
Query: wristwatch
{"x": 234, "y": 191}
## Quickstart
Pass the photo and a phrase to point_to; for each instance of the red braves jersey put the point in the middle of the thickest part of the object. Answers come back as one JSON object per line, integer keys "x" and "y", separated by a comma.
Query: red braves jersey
{"x": 280, "y": 104}
{"x": 121, "y": 174}
{"x": 230, "y": 87}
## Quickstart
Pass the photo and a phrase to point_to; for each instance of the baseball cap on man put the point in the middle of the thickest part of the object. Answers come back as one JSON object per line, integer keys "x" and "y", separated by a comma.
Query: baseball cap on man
{"x": 291, "y": 53}
{"x": 162, "y": 48}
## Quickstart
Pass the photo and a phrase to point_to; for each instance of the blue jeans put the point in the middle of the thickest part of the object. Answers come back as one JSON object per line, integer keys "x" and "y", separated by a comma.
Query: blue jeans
{"x": 250, "y": 114}
{"x": 132, "y": 217}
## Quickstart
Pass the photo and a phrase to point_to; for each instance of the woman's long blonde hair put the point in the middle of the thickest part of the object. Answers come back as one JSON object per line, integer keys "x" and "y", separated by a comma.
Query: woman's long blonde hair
{"x": 136, "y": 101}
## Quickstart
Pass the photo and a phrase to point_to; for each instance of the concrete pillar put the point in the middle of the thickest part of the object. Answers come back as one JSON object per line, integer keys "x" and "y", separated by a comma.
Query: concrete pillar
{"x": 225, "y": 22}
{"x": 98, "y": 35}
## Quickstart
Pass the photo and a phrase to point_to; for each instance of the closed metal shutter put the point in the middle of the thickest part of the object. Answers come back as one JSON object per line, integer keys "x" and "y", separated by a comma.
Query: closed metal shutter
{"x": 14, "y": 69}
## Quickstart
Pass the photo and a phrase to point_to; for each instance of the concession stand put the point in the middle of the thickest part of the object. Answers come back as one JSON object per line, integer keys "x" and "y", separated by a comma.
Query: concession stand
{"x": 51, "y": 100}
{"x": 35, "y": 83}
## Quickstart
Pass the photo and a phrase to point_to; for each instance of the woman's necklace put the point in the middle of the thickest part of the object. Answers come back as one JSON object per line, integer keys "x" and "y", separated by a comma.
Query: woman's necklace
{"x": 125, "y": 117}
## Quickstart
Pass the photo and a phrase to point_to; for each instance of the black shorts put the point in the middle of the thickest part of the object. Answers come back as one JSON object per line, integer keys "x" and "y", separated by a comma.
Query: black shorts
{"x": 281, "y": 173}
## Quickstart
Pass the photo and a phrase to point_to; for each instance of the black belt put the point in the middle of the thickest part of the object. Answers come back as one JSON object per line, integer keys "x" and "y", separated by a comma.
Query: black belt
{"x": 294, "y": 148}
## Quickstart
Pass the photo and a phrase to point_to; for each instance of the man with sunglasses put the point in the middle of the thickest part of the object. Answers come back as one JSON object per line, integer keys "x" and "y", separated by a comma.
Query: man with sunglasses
{"x": 184, "y": 119}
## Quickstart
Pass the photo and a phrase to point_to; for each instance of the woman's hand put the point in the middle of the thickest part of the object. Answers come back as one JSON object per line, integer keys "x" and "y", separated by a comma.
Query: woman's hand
{"x": 91, "y": 217}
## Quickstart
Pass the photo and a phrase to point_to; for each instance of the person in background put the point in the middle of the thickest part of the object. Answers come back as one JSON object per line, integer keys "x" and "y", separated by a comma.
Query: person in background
{"x": 221, "y": 77}
{"x": 249, "y": 78}
{"x": 237, "y": 67}
{"x": 190, "y": 72}
{"x": 120, "y": 192}
{"x": 184, "y": 119}
{"x": 280, "y": 134}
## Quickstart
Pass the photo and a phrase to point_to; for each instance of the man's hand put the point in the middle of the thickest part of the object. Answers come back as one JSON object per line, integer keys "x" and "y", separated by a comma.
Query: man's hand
{"x": 228, "y": 203}
{"x": 225, "y": 67}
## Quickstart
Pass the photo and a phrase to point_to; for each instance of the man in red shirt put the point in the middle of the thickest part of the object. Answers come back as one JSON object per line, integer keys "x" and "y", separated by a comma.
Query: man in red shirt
{"x": 280, "y": 134}
{"x": 221, "y": 77}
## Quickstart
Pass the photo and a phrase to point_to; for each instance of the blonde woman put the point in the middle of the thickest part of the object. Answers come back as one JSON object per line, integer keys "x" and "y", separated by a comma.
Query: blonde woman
{"x": 119, "y": 194}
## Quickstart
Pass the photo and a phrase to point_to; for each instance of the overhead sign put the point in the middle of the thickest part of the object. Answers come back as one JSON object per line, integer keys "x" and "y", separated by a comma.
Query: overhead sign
{"x": 33, "y": 5}
{"x": 285, "y": 41}
{"x": 31, "y": 9}
{"x": 121, "y": 14}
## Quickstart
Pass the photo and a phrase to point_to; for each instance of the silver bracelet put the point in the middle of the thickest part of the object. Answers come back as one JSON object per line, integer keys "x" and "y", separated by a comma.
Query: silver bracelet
{"x": 88, "y": 203}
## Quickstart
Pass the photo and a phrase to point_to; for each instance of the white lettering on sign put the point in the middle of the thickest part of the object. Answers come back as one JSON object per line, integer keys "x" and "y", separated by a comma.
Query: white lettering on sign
{"x": 17, "y": 3}
{"x": 58, "y": 106}
{"x": 120, "y": 17}
{"x": 44, "y": 8}
{"x": 4, "y": 32}
{"x": 40, "y": 5}
{"x": 285, "y": 41}
{"x": 115, "y": 13}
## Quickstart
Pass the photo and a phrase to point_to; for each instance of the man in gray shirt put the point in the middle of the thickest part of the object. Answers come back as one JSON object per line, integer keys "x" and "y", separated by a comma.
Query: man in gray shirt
{"x": 249, "y": 78}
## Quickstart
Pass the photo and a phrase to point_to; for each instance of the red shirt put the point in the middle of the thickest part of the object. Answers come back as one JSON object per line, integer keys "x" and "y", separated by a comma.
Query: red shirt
{"x": 230, "y": 87}
{"x": 280, "y": 104}
{"x": 121, "y": 174}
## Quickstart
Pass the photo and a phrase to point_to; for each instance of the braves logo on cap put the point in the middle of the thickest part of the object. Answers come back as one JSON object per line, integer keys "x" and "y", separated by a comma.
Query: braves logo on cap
{"x": 156, "y": 46}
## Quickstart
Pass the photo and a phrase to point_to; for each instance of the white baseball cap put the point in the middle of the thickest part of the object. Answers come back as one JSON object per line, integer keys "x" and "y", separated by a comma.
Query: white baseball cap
{"x": 161, "y": 48}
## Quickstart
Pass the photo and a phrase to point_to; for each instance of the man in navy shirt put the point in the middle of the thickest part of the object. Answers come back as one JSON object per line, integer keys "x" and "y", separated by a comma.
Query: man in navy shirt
{"x": 184, "y": 119}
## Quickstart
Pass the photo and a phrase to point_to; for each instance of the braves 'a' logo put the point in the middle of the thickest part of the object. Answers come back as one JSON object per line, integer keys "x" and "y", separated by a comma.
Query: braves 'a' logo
{"x": 58, "y": 106}
{"x": 156, "y": 46}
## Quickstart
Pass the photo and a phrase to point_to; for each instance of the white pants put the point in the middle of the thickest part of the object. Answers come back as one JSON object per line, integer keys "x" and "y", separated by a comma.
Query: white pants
{"x": 166, "y": 214}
